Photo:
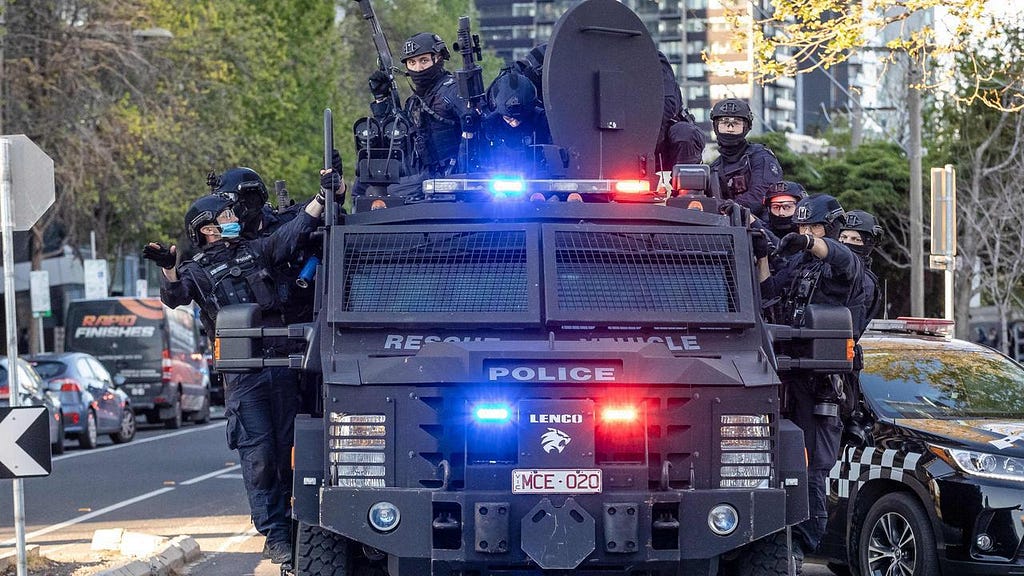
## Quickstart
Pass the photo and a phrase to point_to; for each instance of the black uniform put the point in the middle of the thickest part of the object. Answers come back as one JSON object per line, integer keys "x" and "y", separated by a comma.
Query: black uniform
{"x": 435, "y": 113}
{"x": 261, "y": 406}
{"x": 808, "y": 280}
{"x": 747, "y": 175}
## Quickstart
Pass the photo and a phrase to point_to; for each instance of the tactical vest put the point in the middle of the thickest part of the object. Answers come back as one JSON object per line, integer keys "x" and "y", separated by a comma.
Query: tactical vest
{"x": 240, "y": 279}
{"x": 435, "y": 138}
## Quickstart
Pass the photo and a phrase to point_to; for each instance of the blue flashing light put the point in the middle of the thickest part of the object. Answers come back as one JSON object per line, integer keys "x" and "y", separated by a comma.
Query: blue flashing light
{"x": 492, "y": 413}
{"x": 507, "y": 186}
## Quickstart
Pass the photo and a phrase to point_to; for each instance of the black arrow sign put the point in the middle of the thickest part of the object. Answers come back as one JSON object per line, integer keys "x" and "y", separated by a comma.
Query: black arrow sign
{"x": 24, "y": 442}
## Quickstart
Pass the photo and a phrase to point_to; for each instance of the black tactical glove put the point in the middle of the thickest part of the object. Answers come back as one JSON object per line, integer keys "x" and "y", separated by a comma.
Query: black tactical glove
{"x": 762, "y": 247}
{"x": 725, "y": 206}
{"x": 793, "y": 242}
{"x": 336, "y": 162}
{"x": 330, "y": 183}
{"x": 160, "y": 254}
{"x": 380, "y": 84}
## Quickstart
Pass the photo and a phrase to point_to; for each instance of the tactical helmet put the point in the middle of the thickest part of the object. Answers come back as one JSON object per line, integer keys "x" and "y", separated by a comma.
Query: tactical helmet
{"x": 532, "y": 66}
{"x": 820, "y": 209}
{"x": 732, "y": 107}
{"x": 785, "y": 188}
{"x": 424, "y": 43}
{"x": 202, "y": 212}
{"x": 246, "y": 189}
{"x": 513, "y": 95}
{"x": 864, "y": 223}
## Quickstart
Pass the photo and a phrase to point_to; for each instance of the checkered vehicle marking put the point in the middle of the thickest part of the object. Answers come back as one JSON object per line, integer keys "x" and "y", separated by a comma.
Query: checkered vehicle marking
{"x": 858, "y": 465}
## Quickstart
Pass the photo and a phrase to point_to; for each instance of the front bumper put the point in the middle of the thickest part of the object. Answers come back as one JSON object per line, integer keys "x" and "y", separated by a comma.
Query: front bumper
{"x": 475, "y": 529}
{"x": 969, "y": 508}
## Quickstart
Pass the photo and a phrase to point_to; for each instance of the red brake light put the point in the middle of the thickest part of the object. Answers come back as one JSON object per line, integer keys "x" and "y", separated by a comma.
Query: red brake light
{"x": 165, "y": 366}
{"x": 5, "y": 391}
{"x": 67, "y": 384}
{"x": 619, "y": 414}
{"x": 633, "y": 186}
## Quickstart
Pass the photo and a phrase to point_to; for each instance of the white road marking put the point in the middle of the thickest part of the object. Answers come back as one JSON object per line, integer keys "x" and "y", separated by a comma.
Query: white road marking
{"x": 137, "y": 442}
{"x": 118, "y": 505}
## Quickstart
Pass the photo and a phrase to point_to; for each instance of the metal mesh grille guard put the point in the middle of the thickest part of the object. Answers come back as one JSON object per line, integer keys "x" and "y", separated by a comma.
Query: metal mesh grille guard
{"x": 471, "y": 271}
{"x": 644, "y": 272}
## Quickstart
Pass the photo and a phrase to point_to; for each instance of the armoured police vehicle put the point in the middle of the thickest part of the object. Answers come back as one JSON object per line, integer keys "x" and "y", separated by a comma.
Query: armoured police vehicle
{"x": 530, "y": 387}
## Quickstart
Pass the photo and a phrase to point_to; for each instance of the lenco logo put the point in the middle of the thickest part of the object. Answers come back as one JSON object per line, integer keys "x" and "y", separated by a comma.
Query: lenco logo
{"x": 556, "y": 418}
{"x": 551, "y": 373}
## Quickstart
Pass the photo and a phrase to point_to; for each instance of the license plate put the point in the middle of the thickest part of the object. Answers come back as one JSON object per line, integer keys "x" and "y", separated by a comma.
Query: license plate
{"x": 550, "y": 481}
{"x": 138, "y": 391}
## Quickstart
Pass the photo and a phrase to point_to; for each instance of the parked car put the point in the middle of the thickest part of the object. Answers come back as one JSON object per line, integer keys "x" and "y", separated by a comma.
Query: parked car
{"x": 934, "y": 482}
{"x": 33, "y": 393}
{"x": 92, "y": 405}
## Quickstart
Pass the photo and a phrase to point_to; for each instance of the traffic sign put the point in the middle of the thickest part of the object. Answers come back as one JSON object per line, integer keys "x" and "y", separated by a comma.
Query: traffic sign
{"x": 39, "y": 292}
{"x": 24, "y": 442}
{"x": 31, "y": 181}
{"x": 95, "y": 278}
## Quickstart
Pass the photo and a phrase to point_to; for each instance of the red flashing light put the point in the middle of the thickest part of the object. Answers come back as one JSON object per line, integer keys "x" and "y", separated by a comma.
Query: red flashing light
{"x": 5, "y": 391}
{"x": 633, "y": 186}
{"x": 620, "y": 414}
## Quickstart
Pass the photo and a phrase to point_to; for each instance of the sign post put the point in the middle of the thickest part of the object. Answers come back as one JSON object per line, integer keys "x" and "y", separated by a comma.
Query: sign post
{"x": 26, "y": 191}
{"x": 943, "y": 256}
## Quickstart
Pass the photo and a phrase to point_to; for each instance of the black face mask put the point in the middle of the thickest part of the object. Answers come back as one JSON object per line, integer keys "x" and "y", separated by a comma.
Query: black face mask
{"x": 423, "y": 80}
{"x": 731, "y": 146}
{"x": 862, "y": 250}
{"x": 781, "y": 225}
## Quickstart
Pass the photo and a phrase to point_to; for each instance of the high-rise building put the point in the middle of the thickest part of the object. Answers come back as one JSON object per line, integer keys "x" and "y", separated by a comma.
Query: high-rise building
{"x": 687, "y": 31}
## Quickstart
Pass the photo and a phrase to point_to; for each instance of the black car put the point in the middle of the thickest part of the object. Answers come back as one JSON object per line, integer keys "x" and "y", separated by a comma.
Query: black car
{"x": 935, "y": 483}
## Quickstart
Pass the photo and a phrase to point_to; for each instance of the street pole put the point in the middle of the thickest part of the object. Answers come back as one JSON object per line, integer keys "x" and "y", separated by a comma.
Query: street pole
{"x": 7, "y": 235}
{"x": 916, "y": 202}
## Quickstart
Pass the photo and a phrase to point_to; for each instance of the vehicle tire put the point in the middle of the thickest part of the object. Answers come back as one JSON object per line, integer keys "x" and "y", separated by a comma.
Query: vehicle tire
{"x": 58, "y": 447}
{"x": 174, "y": 422}
{"x": 127, "y": 431}
{"x": 765, "y": 557}
{"x": 321, "y": 553}
{"x": 89, "y": 437}
{"x": 896, "y": 538}
{"x": 203, "y": 415}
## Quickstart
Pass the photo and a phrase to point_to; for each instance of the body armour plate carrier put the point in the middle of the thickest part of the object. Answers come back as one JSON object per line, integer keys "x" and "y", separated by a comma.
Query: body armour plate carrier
{"x": 238, "y": 280}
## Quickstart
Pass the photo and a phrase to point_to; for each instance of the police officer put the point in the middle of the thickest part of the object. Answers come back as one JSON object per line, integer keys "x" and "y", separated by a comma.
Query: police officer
{"x": 435, "y": 108}
{"x": 861, "y": 234}
{"x": 514, "y": 122}
{"x": 745, "y": 171}
{"x": 780, "y": 201}
{"x": 680, "y": 140}
{"x": 820, "y": 270}
{"x": 227, "y": 269}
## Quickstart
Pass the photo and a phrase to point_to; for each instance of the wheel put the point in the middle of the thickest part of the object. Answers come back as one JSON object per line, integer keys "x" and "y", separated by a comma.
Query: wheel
{"x": 897, "y": 538}
{"x": 203, "y": 415}
{"x": 766, "y": 557}
{"x": 58, "y": 447}
{"x": 127, "y": 430}
{"x": 321, "y": 553}
{"x": 89, "y": 437}
{"x": 174, "y": 422}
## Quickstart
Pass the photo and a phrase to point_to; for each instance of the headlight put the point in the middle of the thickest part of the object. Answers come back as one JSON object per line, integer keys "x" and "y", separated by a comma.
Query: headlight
{"x": 983, "y": 464}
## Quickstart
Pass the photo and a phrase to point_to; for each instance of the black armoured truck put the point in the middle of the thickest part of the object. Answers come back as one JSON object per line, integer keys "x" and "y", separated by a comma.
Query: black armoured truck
{"x": 511, "y": 386}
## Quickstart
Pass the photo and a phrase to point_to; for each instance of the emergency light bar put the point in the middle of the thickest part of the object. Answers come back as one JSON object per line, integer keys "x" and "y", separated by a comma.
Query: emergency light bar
{"x": 509, "y": 187}
{"x": 909, "y": 325}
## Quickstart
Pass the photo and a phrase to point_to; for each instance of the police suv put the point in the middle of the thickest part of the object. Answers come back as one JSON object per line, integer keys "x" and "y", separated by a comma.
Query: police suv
{"x": 932, "y": 479}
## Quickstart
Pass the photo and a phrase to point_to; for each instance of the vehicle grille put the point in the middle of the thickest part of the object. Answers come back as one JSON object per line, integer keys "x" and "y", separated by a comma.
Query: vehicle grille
{"x": 645, "y": 272}
{"x": 467, "y": 271}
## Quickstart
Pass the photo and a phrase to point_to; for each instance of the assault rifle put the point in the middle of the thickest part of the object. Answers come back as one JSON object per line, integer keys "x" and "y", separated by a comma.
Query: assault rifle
{"x": 471, "y": 89}
{"x": 385, "y": 62}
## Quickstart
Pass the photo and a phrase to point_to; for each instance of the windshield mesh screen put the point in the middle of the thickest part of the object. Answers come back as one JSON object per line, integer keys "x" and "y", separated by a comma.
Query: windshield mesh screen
{"x": 623, "y": 271}
{"x": 470, "y": 271}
